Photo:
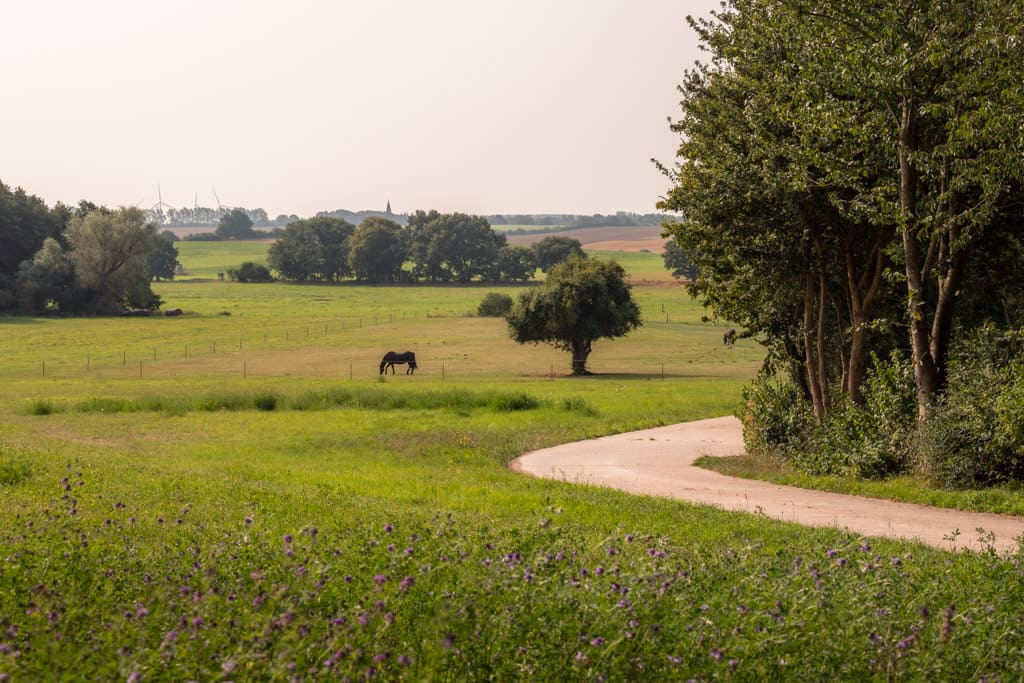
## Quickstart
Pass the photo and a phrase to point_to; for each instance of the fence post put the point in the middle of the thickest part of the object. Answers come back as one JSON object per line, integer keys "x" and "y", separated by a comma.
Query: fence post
{"x": 87, "y": 359}
{"x": 44, "y": 368}
{"x": 215, "y": 347}
{"x": 124, "y": 358}
{"x": 154, "y": 354}
{"x": 245, "y": 372}
{"x": 551, "y": 374}
{"x": 442, "y": 372}
{"x": 350, "y": 372}
{"x": 140, "y": 368}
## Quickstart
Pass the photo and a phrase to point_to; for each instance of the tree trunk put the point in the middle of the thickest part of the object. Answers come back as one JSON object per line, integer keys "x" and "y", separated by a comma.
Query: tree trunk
{"x": 809, "y": 345}
{"x": 862, "y": 292}
{"x": 926, "y": 378}
{"x": 580, "y": 352}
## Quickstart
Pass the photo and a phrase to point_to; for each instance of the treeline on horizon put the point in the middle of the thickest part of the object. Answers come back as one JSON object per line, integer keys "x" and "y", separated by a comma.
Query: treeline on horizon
{"x": 208, "y": 217}
{"x": 92, "y": 260}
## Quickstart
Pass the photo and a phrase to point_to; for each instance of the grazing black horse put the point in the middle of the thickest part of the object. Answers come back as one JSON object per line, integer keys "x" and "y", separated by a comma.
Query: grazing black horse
{"x": 729, "y": 338}
{"x": 391, "y": 359}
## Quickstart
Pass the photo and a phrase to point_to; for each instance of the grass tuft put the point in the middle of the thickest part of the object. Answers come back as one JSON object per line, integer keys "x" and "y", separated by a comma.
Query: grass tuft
{"x": 42, "y": 406}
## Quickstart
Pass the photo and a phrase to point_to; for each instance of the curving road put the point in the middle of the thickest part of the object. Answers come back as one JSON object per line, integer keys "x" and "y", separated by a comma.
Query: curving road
{"x": 659, "y": 462}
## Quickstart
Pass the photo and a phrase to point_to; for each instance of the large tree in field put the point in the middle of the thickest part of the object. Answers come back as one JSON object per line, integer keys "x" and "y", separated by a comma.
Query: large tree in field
{"x": 313, "y": 249}
{"x": 377, "y": 250}
{"x": 109, "y": 251}
{"x": 235, "y": 225}
{"x": 448, "y": 247}
{"x": 162, "y": 262}
{"x": 25, "y": 223}
{"x": 581, "y": 300}
{"x": 555, "y": 249}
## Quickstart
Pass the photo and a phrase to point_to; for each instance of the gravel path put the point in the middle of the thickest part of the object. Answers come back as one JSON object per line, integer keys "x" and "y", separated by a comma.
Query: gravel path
{"x": 659, "y": 462}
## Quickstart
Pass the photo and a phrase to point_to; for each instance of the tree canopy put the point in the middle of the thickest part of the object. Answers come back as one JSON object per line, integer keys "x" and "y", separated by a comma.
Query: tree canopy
{"x": 555, "y": 249}
{"x": 235, "y": 225}
{"x": 843, "y": 154}
{"x": 313, "y": 249}
{"x": 378, "y": 250}
{"x": 581, "y": 301}
{"x": 452, "y": 247}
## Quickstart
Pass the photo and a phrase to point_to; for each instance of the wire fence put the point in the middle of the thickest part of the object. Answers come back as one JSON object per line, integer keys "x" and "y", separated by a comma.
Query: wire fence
{"x": 300, "y": 350}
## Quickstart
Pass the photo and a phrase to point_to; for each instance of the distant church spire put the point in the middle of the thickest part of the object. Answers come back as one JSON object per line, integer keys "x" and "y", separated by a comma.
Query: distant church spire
{"x": 388, "y": 210}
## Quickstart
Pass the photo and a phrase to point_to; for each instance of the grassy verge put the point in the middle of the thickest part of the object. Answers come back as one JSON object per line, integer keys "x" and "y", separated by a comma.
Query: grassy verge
{"x": 1006, "y": 500}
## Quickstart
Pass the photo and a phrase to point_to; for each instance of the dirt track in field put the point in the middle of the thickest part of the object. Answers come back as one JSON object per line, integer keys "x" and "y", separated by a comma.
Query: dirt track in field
{"x": 659, "y": 462}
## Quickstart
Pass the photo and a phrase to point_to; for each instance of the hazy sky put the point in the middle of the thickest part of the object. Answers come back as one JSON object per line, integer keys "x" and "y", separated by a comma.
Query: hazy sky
{"x": 481, "y": 106}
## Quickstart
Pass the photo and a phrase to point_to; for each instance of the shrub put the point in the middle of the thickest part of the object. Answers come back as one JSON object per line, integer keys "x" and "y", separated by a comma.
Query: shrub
{"x": 575, "y": 404}
{"x": 41, "y": 406}
{"x": 14, "y": 470}
{"x": 520, "y": 401}
{"x": 250, "y": 272}
{"x": 265, "y": 401}
{"x": 494, "y": 305}
{"x": 974, "y": 435}
{"x": 775, "y": 417}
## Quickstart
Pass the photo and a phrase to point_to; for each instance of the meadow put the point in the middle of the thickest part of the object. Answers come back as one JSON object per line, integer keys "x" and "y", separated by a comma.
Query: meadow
{"x": 242, "y": 497}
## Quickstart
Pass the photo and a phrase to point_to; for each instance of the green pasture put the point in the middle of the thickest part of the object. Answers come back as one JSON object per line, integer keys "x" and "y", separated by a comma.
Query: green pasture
{"x": 204, "y": 260}
{"x": 264, "y": 506}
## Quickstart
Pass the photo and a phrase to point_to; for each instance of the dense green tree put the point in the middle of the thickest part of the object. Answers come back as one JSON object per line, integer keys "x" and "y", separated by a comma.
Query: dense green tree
{"x": 581, "y": 300}
{"x": 377, "y": 250}
{"x": 515, "y": 263}
{"x": 163, "y": 260}
{"x": 452, "y": 247}
{"x": 47, "y": 280}
{"x": 25, "y": 223}
{"x": 250, "y": 271}
{"x": 313, "y": 249}
{"x": 553, "y": 250}
{"x": 109, "y": 251}
{"x": 235, "y": 225}
{"x": 495, "y": 305}
{"x": 848, "y": 139}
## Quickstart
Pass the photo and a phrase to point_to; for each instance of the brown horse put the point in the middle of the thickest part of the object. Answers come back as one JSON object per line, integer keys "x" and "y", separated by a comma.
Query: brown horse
{"x": 729, "y": 338}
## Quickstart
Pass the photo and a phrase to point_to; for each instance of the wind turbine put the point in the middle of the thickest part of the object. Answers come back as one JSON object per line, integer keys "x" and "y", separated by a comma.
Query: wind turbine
{"x": 158, "y": 208}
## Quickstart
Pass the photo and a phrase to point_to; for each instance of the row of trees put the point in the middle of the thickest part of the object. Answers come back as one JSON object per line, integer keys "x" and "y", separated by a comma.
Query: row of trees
{"x": 851, "y": 185}
{"x": 205, "y": 216}
{"x": 432, "y": 247}
{"x": 80, "y": 260}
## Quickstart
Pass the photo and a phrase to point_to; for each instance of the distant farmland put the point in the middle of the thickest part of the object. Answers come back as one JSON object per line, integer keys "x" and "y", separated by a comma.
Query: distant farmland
{"x": 624, "y": 238}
